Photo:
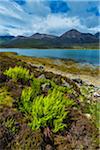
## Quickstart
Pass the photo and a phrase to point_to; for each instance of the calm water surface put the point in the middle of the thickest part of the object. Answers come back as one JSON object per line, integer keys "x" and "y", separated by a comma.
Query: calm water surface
{"x": 82, "y": 56}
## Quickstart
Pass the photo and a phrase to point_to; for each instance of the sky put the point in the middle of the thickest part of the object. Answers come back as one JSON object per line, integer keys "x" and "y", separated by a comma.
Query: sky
{"x": 26, "y": 17}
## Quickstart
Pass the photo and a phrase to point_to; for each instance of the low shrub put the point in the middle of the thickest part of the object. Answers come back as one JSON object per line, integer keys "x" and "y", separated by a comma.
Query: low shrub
{"x": 18, "y": 73}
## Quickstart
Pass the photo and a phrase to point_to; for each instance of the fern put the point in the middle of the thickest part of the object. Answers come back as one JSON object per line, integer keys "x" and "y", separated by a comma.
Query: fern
{"x": 25, "y": 104}
{"x": 94, "y": 110}
{"x": 50, "y": 111}
{"x": 28, "y": 95}
{"x": 18, "y": 73}
{"x": 10, "y": 124}
{"x": 36, "y": 87}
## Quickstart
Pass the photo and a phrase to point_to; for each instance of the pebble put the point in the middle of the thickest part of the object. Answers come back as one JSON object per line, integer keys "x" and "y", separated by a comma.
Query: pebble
{"x": 96, "y": 94}
{"x": 42, "y": 76}
{"x": 88, "y": 116}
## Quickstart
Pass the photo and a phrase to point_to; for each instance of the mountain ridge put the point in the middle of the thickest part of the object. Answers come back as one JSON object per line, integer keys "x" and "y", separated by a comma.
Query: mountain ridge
{"x": 39, "y": 40}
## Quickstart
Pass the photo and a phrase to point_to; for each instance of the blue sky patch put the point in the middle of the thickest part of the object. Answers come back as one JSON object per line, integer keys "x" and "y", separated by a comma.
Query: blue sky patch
{"x": 20, "y": 2}
{"x": 59, "y": 6}
{"x": 94, "y": 10}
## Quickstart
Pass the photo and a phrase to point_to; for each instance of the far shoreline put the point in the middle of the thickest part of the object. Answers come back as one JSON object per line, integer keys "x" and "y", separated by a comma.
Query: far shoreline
{"x": 50, "y": 48}
{"x": 51, "y": 54}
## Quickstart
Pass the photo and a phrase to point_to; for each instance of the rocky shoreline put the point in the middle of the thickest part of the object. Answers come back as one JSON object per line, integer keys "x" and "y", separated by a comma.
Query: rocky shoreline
{"x": 82, "y": 131}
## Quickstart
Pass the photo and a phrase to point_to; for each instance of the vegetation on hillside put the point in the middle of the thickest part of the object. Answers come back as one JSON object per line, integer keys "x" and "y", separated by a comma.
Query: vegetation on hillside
{"x": 40, "y": 109}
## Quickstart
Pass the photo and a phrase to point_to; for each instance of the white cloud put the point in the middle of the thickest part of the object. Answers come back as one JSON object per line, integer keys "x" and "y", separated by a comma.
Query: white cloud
{"x": 36, "y": 7}
{"x": 35, "y": 16}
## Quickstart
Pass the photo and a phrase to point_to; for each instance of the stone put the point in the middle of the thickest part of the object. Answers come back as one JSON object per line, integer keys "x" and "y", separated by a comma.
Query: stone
{"x": 41, "y": 68}
{"x": 64, "y": 83}
{"x": 96, "y": 94}
{"x": 48, "y": 147}
{"x": 45, "y": 87}
{"x": 42, "y": 76}
{"x": 78, "y": 81}
{"x": 88, "y": 116}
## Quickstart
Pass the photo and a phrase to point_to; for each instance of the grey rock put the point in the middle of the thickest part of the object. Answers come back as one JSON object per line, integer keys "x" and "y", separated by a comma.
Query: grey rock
{"x": 64, "y": 83}
{"x": 96, "y": 94}
{"x": 48, "y": 147}
{"x": 42, "y": 76}
{"x": 41, "y": 68}
{"x": 45, "y": 87}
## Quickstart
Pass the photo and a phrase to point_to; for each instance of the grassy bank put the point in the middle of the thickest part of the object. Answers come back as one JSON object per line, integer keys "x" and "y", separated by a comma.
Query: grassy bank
{"x": 41, "y": 108}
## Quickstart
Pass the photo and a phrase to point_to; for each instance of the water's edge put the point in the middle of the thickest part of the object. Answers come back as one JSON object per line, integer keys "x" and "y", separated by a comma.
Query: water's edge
{"x": 81, "y": 56}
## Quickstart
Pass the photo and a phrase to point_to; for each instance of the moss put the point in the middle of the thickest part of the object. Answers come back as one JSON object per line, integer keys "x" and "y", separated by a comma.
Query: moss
{"x": 5, "y": 98}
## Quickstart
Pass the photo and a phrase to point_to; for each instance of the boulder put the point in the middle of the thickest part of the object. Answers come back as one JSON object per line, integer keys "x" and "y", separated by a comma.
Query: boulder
{"x": 78, "y": 81}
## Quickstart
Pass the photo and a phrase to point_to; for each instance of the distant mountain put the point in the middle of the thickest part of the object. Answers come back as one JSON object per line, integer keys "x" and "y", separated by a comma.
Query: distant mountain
{"x": 42, "y": 36}
{"x": 71, "y": 34}
{"x": 69, "y": 39}
{"x": 74, "y": 36}
{"x": 5, "y": 38}
{"x": 97, "y": 35}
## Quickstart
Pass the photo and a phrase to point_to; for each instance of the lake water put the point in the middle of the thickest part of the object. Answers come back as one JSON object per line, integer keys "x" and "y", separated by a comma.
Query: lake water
{"x": 82, "y": 56}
